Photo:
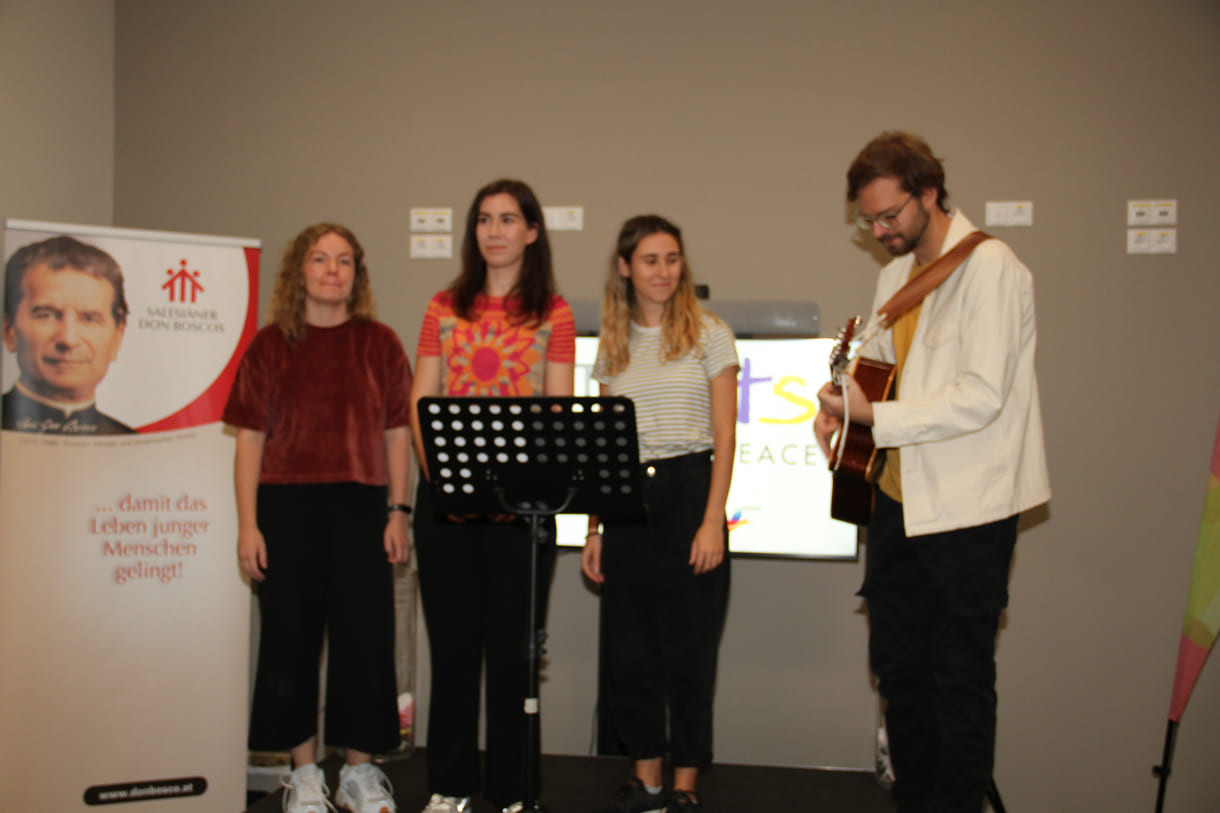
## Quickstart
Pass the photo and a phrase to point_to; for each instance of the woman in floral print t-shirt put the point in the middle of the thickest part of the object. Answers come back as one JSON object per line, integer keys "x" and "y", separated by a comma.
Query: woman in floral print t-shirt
{"x": 498, "y": 330}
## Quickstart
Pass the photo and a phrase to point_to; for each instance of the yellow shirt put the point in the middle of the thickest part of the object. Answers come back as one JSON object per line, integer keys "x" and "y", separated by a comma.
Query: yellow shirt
{"x": 903, "y": 334}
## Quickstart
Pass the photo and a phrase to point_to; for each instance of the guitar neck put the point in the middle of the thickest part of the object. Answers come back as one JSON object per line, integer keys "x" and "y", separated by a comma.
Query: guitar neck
{"x": 847, "y": 349}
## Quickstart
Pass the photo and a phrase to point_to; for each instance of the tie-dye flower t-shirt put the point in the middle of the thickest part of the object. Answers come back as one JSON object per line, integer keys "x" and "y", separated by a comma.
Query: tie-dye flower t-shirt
{"x": 495, "y": 356}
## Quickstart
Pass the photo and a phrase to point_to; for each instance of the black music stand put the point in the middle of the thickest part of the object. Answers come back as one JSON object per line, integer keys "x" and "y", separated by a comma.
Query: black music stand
{"x": 533, "y": 457}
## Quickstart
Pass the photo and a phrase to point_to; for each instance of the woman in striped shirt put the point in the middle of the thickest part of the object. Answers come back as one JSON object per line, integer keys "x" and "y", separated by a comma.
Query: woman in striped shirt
{"x": 665, "y": 582}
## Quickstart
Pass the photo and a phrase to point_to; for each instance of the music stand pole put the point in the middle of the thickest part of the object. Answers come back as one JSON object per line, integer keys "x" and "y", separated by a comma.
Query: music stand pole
{"x": 535, "y": 649}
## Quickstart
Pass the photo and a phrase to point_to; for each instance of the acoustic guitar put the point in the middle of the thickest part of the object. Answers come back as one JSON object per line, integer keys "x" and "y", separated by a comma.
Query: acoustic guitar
{"x": 854, "y": 458}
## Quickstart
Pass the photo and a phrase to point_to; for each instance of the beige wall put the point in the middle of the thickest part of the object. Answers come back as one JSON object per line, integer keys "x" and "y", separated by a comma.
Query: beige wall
{"x": 738, "y": 120}
{"x": 57, "y": 100}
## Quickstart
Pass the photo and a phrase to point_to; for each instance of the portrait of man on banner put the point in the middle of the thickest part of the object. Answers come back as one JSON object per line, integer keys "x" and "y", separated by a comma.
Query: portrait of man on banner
{"x": 65, "y": 314}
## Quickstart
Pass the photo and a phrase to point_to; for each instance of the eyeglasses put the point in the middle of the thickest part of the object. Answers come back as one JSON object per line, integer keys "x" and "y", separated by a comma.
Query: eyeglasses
{"x": 889, "y": 221}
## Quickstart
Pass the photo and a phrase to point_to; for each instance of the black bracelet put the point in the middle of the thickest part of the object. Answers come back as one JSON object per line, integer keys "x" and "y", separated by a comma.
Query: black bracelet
{"x": 398, "y": 506}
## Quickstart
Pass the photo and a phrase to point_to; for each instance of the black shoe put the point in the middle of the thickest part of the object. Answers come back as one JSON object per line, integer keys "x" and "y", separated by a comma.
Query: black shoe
{"x": 681, "y": 801}
{"x": 633, "y": 797}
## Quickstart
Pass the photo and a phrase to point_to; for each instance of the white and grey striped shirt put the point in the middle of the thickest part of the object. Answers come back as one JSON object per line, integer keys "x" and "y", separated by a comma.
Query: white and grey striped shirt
{"x": 673, "y": 409}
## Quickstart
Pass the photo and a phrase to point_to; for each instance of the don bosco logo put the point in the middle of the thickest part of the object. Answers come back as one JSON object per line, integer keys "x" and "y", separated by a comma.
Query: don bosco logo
{"x": 183, "y": 290}
{"x": 182, "y": 284}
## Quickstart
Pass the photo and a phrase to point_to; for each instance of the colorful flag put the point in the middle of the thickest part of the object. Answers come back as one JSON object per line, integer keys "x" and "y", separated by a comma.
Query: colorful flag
{"x": 1203, "y": 602}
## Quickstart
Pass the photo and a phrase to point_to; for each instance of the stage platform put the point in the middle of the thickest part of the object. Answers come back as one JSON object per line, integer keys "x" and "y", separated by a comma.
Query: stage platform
{"x": 579, "y": 784}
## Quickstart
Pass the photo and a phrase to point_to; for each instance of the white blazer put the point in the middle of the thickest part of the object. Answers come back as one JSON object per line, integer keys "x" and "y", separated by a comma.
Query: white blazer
{"x": 967, "y": 417}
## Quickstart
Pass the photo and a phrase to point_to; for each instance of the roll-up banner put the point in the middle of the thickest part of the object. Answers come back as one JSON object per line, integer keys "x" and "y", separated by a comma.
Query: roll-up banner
{"x": 124, "y": 620}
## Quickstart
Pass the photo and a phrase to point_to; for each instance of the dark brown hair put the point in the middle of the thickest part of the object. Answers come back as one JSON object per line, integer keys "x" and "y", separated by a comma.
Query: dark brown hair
{"x": 530, "y": 300}
{"x": 900, "y": 155}
{"x": 60, "y": 253}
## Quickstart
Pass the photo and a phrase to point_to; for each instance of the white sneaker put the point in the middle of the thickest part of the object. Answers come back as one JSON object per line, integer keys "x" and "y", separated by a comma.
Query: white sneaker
{"x": 365, "y": 789}
{"x": 515, "y": 807}
{"x": 305, "y": 791}
{"x": 884, "y": 770}
{"x": 447, "y": 804}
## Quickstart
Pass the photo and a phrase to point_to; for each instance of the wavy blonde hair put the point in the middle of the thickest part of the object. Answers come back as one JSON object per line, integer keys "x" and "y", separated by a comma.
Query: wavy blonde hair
{"x": 681, "y": 320}
{"x": 287, "y": 308}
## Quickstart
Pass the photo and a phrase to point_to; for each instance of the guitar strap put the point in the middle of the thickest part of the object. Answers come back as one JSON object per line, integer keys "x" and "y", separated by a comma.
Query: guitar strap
{"x": 911, "y": 294}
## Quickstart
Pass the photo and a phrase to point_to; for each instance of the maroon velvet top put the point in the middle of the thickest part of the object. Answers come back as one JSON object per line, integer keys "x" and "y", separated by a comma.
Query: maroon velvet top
{"x": 325, "y": 403}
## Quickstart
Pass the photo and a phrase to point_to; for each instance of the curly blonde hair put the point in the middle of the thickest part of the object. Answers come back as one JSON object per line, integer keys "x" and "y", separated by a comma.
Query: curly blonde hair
{"x": 287, "y": 308}
{"x": 682, "y": 319}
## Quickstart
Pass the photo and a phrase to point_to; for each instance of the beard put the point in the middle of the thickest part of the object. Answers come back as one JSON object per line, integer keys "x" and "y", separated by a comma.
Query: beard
{"x": 902, "y": 242}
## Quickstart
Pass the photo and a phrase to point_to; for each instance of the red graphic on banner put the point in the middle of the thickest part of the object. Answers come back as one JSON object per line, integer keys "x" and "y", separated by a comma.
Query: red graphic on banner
{"x": 207, "y": 407}
{"x": 182, "y": 283}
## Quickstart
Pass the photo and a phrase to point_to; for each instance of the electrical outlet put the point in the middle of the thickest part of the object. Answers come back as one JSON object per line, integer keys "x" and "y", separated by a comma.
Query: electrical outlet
{"x": 1163, "y": 241}
{"x": 1139, "y": 241}
{"x": 431, "y": 246}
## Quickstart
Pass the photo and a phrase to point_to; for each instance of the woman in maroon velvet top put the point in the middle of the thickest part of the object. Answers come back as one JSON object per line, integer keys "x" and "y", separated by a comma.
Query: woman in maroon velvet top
{"x": 321, "y": 403}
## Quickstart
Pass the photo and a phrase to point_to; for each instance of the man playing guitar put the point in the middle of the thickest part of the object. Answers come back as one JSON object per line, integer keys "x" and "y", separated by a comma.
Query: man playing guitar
{"x": 964, "y": 457}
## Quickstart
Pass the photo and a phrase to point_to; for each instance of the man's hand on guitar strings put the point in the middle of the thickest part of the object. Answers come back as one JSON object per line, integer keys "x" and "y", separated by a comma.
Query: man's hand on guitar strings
{"x": 830, "y": 400}
{"x": 824, "y": 427}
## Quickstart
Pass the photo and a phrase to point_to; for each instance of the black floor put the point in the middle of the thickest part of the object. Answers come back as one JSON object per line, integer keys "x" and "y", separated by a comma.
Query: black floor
{"x": 578, "y": 784}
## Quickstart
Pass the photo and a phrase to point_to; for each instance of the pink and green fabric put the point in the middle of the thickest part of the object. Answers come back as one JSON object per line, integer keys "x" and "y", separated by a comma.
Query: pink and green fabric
{"x": 1203, "y": 602}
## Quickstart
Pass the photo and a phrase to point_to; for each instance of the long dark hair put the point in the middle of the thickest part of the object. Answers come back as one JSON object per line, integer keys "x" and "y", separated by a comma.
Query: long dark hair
{"x": 530, "y": 300}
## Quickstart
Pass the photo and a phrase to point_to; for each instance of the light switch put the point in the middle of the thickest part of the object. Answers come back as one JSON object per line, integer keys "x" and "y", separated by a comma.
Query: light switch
{"x": 1164, "y": 213}
{"x": 1139, "y": 213}
{"x": 1009, "y": 213}
{"x": 564, "y": 218}
{"x": 433, "y": 219}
